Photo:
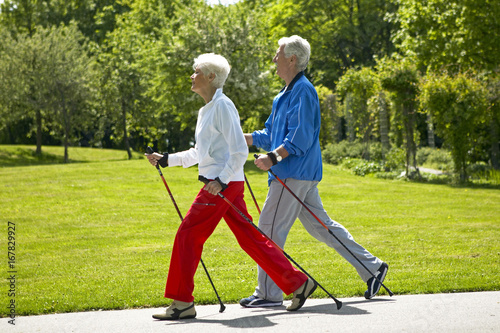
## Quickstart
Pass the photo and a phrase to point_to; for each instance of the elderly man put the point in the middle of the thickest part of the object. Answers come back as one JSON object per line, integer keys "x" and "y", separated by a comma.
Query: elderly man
{"x": 220, "y": 153}
{"x": 291, "y": 136}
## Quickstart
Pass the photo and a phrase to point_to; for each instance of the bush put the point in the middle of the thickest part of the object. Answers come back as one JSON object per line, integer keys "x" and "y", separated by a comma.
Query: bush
{"x": 483, "y": 172}
{"x": 334, "y": 153}
{"x": 423, "y": 154}
{"x": 395, "y": 159}
{"x": 361, "y": 167}
{"x": 439, "y": 159}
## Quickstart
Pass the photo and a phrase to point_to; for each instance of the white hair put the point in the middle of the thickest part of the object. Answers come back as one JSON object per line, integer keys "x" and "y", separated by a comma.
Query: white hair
{"x": 211, "y": 63}
{"x": 298, "y": 46}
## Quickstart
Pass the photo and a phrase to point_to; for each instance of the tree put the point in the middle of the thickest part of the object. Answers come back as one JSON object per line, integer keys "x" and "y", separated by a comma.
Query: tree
{"x": 47, "y": 78}
{"x": 459, "y": 105}
{"x": 329, "y": 117}
{"x": 94, "y": 18}
{"x": 358, "y": 86}
{"x": 70, "y": 88}
{"x": 454, "y": 35}
{"x": 22, "y": 82}
{"x": 400, "y": 77}
{"x": 122, "y": 93}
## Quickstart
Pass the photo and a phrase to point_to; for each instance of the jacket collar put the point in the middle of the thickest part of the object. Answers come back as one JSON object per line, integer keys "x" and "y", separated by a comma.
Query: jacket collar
{"x": 295, "y": 79}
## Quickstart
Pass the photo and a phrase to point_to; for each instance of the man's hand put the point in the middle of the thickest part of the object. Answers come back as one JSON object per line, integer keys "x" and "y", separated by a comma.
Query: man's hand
{"x": 213, "y": 187}
{"x": 154, "y": 158}
{"x": 263, "y": 162}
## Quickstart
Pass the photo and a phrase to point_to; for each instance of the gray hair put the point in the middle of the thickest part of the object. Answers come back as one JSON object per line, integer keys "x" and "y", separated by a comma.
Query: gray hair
{"x": 210, "y": 63}
{"x": 298, "y": 46}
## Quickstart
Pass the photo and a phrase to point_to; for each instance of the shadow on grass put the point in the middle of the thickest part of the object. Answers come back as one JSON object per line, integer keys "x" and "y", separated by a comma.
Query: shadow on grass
{"x": 19, "y": 156}
{"x": 27, "y": 157}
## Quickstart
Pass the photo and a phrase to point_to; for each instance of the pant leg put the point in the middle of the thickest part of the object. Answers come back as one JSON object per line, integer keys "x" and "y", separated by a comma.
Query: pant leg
{"x": 198, "y": 224}
{"x": 278, "y": 214}
{"x": 259, "y": 248}
{"x": 313, "y": 202}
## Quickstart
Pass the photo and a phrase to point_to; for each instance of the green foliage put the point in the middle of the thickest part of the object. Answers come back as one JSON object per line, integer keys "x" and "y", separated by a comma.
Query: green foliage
{"x": 395, "y": 159}
{"x": 356, "y": 88}
{"x": 400, "y": 77}
{"x": 334, "y": 153}
{"x": 329, "y": 117}
{"x": 458, "y": 105}
{"x": 49, "y": 79}
{"x": 361, "y": 167}
{"x": 456, "y": 35}
{"x": 433, "y": 158}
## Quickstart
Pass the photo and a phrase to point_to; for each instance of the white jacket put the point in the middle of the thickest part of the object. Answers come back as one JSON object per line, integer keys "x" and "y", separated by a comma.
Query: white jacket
{"x": 220, "y": 149}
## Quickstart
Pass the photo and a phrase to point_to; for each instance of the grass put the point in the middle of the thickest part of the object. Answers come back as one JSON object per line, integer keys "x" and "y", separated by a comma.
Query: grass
{"x": 98, "y": 235}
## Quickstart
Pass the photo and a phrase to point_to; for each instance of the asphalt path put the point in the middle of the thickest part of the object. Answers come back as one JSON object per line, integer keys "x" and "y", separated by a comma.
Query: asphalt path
{"x": 457, "y": 312}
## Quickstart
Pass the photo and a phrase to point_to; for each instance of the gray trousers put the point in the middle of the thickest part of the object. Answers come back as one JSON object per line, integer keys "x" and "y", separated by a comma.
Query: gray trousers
{"x": 279, "y": 213}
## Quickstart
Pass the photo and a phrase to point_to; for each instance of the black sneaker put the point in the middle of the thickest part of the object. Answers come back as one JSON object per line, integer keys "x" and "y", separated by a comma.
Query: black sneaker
{"x": 374, "y": 284}
{"x": 257, "y": 302}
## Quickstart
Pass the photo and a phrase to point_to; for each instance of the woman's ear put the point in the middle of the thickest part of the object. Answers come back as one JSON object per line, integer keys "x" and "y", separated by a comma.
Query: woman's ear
{"x": 211, "y": 77}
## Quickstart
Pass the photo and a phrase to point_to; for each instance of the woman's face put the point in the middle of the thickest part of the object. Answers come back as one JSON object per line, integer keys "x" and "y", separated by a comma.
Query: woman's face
{"x": 199, "y": 81}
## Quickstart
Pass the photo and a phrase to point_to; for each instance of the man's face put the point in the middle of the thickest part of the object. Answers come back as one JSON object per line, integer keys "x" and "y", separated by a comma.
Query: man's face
{"x": 283, "y": 64}
{"x": 199, "y": 81}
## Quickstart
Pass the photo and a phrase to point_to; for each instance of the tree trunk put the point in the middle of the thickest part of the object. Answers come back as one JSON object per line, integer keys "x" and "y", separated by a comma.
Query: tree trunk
{"x": 66, "y": 122}
{"x": 384, "y": 124}
{"x": 38, "y": 132}
{"x": 351, "y": 134}
{"x": 125, "y": 134}
{"x": 495, "y": 150}
{"x": 430, "y": 132}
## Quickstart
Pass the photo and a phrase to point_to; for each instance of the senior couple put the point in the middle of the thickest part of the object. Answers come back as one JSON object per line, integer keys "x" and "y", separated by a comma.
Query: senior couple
{"x": 291, "y": 137}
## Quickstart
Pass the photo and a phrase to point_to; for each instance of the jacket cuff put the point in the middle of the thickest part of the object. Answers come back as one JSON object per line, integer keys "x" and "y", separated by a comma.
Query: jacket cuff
{"x": 164, "y": 160}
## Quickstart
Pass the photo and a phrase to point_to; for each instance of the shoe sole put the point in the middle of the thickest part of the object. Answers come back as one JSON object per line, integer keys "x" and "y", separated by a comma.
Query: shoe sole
{"x": 176, "y": 315}
{"x": 250, "y": 305}
{"x": 174, "y": 318}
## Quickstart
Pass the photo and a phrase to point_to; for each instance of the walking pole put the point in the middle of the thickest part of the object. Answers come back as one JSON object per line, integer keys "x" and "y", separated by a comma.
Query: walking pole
{"x": 251, "y": 192}
{"x": 324, "y": 225}
{"x": 339, "y": 303}
{"x": 149, "y": 150}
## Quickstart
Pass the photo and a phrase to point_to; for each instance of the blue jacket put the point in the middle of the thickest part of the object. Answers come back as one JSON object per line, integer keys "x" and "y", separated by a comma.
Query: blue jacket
{"x": 295, "y": 123}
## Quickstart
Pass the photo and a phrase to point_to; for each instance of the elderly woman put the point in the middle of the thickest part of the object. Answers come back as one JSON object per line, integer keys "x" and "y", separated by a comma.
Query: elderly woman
{"x": 220, "y": 153}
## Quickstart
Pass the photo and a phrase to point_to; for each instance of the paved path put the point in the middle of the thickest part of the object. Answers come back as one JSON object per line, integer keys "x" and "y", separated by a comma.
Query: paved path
{"x": 461, "y": 312}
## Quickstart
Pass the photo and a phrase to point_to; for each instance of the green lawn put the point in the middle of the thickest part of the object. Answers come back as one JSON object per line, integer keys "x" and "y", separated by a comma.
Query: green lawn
{"x": 97, "y": 233}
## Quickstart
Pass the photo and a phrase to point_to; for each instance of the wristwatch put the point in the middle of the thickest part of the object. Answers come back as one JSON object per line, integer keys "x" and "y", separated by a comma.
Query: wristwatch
{"x": 278, "y": 156}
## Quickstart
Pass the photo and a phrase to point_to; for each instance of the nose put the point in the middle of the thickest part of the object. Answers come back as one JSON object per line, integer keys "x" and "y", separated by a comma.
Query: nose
{"x": 275, "y": 58}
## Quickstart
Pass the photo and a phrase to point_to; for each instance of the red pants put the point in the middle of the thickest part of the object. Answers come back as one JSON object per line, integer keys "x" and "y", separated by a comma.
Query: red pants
{"x": 199, "y": 224}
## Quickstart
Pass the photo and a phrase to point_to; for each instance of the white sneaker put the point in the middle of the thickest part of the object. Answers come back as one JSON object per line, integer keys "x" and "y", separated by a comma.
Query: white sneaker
{"x": 177, "y": 310}
{"x": 300, "y": 295}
